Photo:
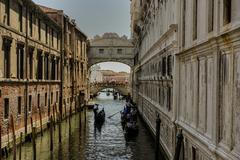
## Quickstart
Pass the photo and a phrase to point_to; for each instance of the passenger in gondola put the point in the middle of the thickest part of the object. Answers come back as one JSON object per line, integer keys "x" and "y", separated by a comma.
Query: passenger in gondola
{"x": 128, "y": 98}
{"x": 128, "y": 107}
{"x": 95, "y": 108}
{"x": 134, "y": 114}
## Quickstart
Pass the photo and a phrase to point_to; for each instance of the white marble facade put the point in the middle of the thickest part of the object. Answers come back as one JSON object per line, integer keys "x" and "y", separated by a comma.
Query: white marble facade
{"x": 201, "y": 94}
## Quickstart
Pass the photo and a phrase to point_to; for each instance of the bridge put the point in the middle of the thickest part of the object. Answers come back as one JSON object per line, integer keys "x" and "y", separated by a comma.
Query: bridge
{"x": 122, "y": 88}
{"x": 111, "y": 48}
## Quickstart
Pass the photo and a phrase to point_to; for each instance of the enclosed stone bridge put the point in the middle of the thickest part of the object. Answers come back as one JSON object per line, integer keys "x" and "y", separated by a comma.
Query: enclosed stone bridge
{"x": 111, "y": 48}
{"x": 122, "y": 88}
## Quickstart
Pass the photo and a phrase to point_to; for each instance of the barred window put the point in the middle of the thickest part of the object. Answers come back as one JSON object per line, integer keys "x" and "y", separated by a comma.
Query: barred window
{"x": 164, "y": 68}
{"x": 169, "y": 65}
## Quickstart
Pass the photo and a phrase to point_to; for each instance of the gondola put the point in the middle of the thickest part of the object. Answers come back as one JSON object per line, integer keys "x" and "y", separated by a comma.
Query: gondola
{"x": 90, "y": 105}
{"x": 129, "y": 125}
{"x": 99, "y": 116}
{"x": 131, "y": 129}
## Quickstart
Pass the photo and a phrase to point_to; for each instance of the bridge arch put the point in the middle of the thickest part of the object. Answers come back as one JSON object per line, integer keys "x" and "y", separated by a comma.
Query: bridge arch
{"x": 111, "y": 48}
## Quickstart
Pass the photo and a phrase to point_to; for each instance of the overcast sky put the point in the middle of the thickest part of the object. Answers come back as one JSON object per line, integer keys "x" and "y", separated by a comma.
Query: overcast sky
{"x": 97, "y": 17}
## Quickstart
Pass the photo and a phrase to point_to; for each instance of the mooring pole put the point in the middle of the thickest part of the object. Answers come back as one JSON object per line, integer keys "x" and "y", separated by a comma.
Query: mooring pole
{"x": 157, "y": 138}
{"x": 40, "y": 116}
{"x": 0, "y": 142}
{"x": 33, "y": 140}
{"x": 80, "y": 119}
{"x": 179, "y": 146}
{"x": 51, "y": 133}
{"x": 85, "y": 111}
{"x": 14, "y": 139}
{"x": 59, "y": 129}
{"x": 20, "y": 146}
{"x": 34, "y": 143}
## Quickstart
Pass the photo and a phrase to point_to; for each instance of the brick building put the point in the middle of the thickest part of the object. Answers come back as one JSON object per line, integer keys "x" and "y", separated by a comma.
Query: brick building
{"x": 74, "y": 69}
{"x": 42, "y": 65}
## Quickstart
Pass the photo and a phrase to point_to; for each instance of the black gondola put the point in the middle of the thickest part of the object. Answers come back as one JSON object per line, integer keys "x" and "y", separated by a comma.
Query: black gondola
{"x": 131, "y": 129}
{"x": 99, "y": 116}
{"x": 129, "y": 123}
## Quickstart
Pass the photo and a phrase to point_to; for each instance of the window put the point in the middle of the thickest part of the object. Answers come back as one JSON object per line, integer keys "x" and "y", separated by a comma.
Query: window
{"x": 39, "y": 66}
{"x": 31, "y": 24}
{"x": 210, "y": 15}
{"x": 164, "y": 68}
{"x": 160, "y": 67}
{"x": 20, "y": 18}
{"x": 20, "y": 61}
{"x": 38, "y": 101}
{"x": 56, "y": 97}
{"x": 46, "y": 33}
{"x": 169, "y": 64}
{"x": 101, "y": 51}
{"x": 19, "y": 105}
{"x": 194, "y": 153}
{"x": 51, "y": 97}
{"x": 119, "y": 51}
{"x": 169, "y": 97}
{"x": 57, "y": 70}
{"x": 195, "y": 19}
{"x": 227, "y": 8}
{"x": 7, "y": 11}
{"x": 45, "y": 99}
{"x": 6, "y": 48}
{"x": 30, "y": 103}
{"x": 52, "y": 38}
{"x": 46, "y": 67}
{"x": 30, "y": 63}
{"x": 57, "y": 41}
{"x": 53, "y": 68}
{"x": 39, "y": 29}
{"x": 70, "y": 39}
{"x": 6, "y": 108}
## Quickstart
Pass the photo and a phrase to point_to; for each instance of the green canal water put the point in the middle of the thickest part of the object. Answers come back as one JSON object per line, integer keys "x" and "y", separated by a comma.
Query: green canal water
{"x": 86, "y": 142}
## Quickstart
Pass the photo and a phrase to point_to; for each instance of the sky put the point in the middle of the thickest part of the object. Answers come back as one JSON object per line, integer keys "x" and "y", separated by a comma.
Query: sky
{"x": 95, "y": 17}
{"x": 115, "y": 66}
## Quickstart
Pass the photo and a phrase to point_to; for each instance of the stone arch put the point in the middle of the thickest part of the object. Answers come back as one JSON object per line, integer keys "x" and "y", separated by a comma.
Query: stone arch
{"x": 123, "y": 61}
{"x": 124, "y": 90}
{"x": 110, "y": 47}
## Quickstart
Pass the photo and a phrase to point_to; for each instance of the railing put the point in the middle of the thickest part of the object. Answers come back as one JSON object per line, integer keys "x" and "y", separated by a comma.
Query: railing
{"x": 109, "y": 83}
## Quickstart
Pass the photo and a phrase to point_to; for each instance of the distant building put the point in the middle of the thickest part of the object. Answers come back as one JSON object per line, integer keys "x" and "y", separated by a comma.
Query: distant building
{"x": 96, "y": 75}
{"x": 111, "y": 76}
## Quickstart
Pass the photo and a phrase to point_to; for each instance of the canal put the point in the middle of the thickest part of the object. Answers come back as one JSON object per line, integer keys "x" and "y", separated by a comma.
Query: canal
{"x": 84, "y": 141}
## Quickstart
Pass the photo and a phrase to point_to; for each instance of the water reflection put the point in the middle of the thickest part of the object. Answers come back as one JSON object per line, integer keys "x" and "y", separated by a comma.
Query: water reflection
{"x": 91, "y": 142}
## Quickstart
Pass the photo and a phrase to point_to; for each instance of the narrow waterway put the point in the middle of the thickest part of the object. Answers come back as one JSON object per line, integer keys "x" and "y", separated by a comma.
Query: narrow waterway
{"x": 88, "y": 142}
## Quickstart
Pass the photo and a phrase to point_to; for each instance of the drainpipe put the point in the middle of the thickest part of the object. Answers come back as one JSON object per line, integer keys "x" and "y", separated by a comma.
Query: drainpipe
{"x": 26, "y": 73}
{"x": 61, "y": 66}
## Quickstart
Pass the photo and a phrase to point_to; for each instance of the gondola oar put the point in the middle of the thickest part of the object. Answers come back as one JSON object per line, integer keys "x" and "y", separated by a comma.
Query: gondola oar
{"x": 114, "y": 114}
